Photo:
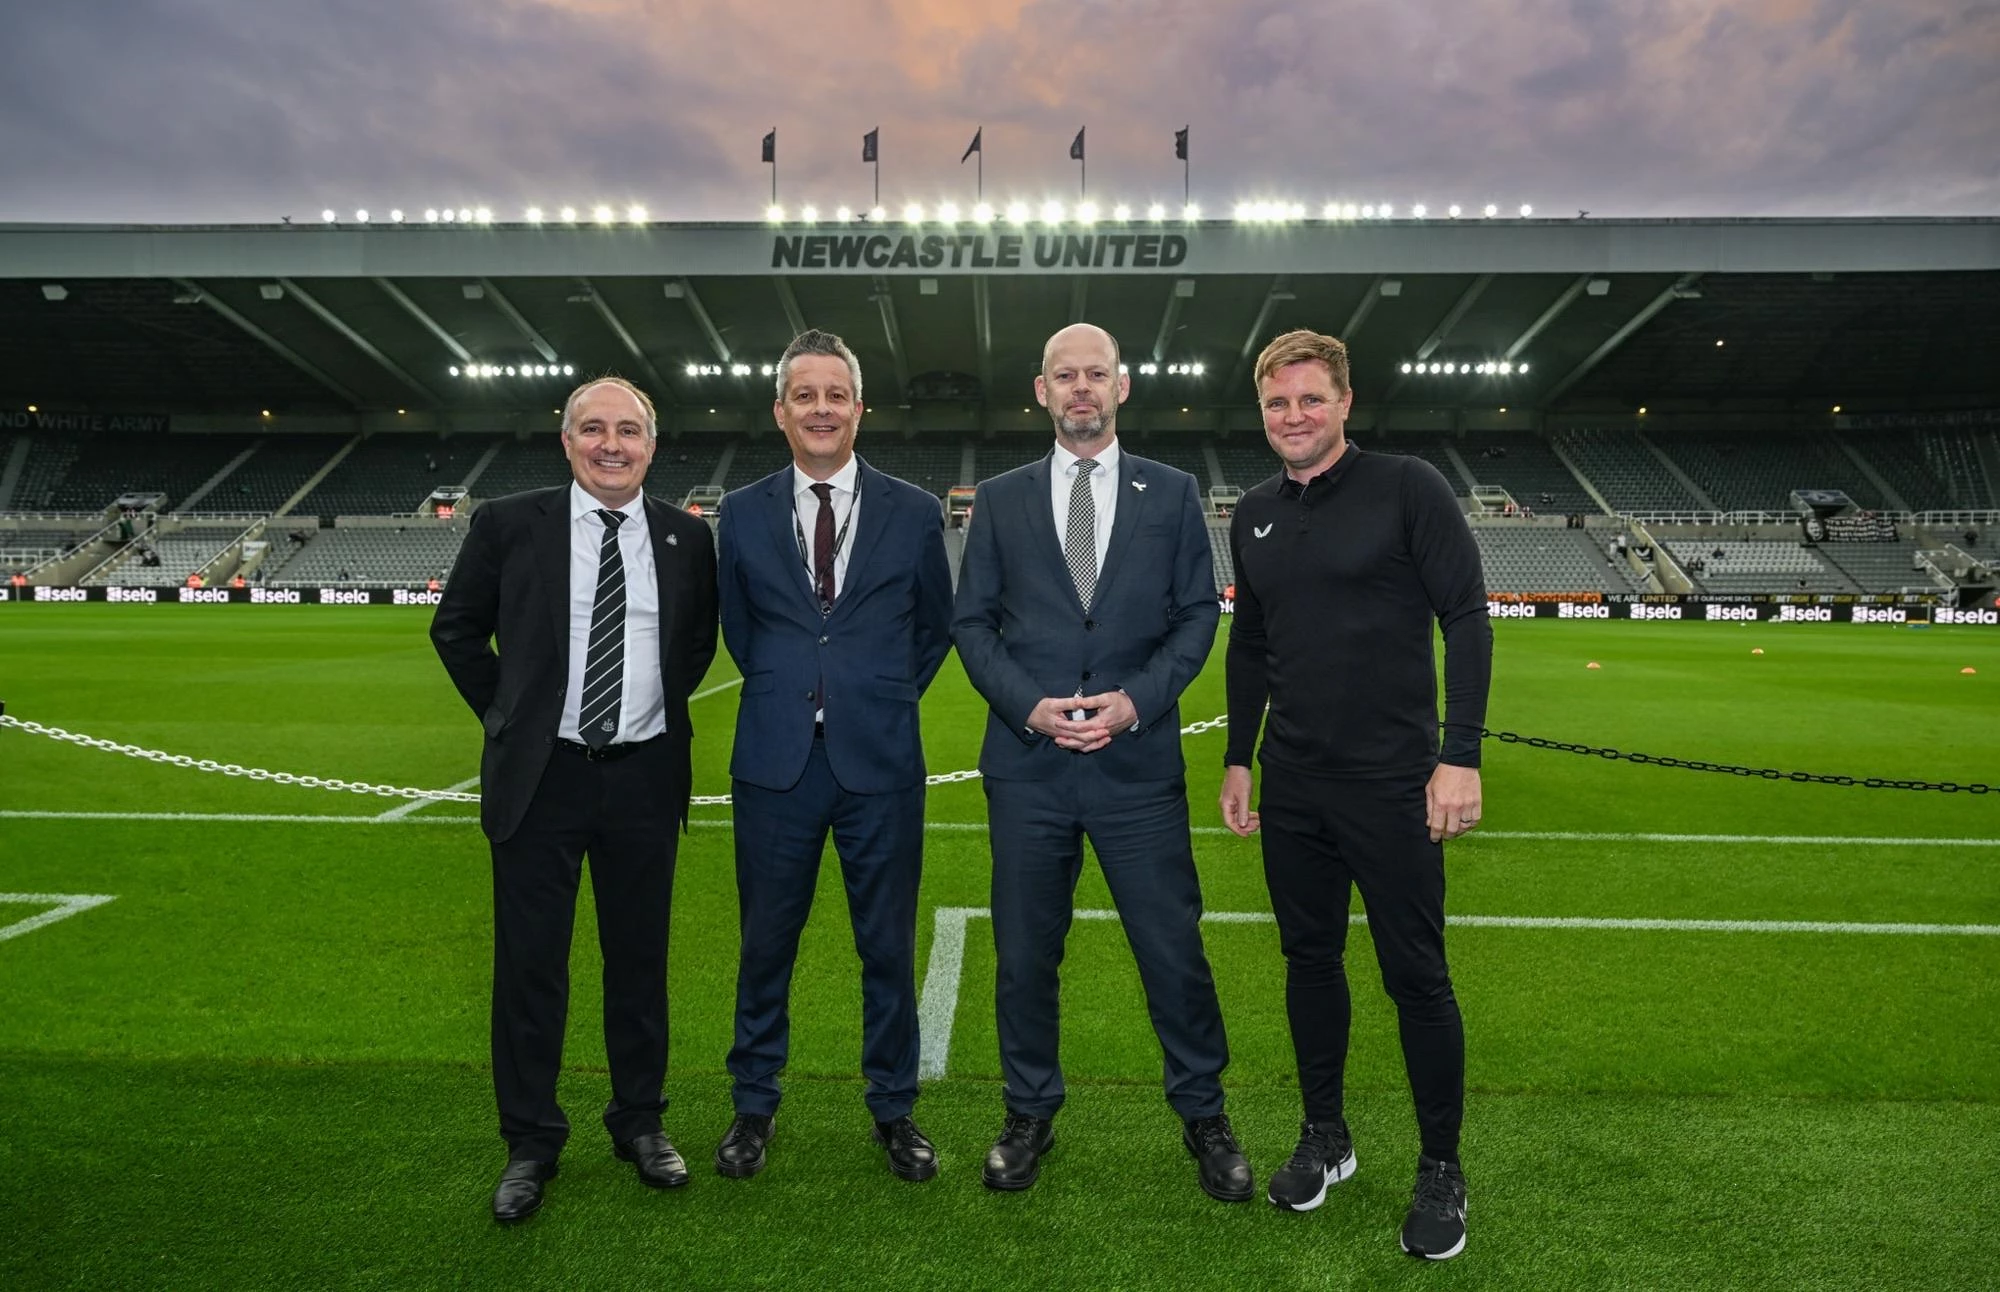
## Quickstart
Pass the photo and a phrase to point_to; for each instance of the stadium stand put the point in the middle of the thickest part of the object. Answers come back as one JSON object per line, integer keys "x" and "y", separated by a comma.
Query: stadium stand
{"x": 175, "y": 465}
{"x": 678, "y": 466}
{"x": 1758, "y": 472}
{"x": 534, "y": 463}
{"x": 369, "y": 555}
{"x": 178, "y": 555}
{"x": 1878, "y": 567}
{"x": 1180, "y": 451}
{"x": 1522, "y": 463}
{"x": 391, "y": 475}
{"x": 1934, "y": 470}
{"x": 1625, "y": 471}
{"x": 1429, "y": 447}
{"x": 49, "y": 459}
{"x": 1534, "y": 558}
{"x": 22, "y": 548}
{"x": 1246, "y": 460}
{"x": 1003, "y": 453}
{"x": 272, "y": 474}
{"x": 1221, "y": 559}
{"x": 928, "y": 462}
{"x": 1756, "y": 565}
{"x": 756, "y": 458}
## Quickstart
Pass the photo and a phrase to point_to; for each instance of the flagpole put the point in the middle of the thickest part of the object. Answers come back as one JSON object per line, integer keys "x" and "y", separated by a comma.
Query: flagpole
{"x": 774, "y": 165}
{"x": 878, "y": 174}
{"x": 980, "y": 192}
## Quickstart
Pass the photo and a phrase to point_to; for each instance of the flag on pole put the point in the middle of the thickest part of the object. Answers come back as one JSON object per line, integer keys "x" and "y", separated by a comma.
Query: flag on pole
{"x": 1076, "y": 146}
{"x": 973, "y": 147}
{"x": 1180, "y": 144}
{"x": 771, "y": 145}
{"x": 868, "y": 145}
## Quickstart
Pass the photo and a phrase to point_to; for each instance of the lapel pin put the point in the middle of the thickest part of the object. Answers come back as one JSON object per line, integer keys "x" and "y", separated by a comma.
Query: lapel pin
{"x": 673, "y": 540}
{"x": 1140, "y": 485}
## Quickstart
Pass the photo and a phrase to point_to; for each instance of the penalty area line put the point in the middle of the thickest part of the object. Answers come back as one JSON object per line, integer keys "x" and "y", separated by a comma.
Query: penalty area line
{"x": 66, "y": 905}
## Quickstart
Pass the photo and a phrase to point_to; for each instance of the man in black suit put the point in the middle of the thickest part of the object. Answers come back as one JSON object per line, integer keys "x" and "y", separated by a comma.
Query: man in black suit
{"x": 836, "y": 604}
{"x": 1086, "y": 604}
{"x": 602, "y": 604}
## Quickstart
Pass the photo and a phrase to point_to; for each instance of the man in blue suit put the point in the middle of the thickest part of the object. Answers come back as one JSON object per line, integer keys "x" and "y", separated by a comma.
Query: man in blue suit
{"x": 1086, "y": 604}
{"x": 836, "y": 605}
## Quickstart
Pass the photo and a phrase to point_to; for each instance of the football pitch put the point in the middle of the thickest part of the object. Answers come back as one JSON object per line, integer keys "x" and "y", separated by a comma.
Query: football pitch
{"x": 1722, "y": 1031}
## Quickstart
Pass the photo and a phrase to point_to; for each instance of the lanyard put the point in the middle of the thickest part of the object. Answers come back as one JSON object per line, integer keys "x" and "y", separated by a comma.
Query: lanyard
{"x": 839, "y": 540}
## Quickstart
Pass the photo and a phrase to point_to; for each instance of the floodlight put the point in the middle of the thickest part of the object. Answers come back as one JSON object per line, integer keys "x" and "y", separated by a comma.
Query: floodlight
{"x": 1052, "y": 212}
{"x": 878, "y": 213}
{"x": 636, "y": 214}
{"x": 396, "y": 215}
{"x": 1526, "y": 210}
{"x": 774, "y": 213}
{"x": 1017, "y": 213}
{"x": 843, "y": 214}
{"x": 1406, "y": 369}
{"x": 1489, "y": 210}
{"x": 453, "y": 370}
{"x": 1385, "y": 210}
{"x": 913, "y": 213}
{"x": 464, "y": 215}
{"x": 1192, "y": 211}
{"x": 567, "y": 215}
{"x": 948, "y": 212}
{"x": 694, "y": 370}
{"x": 361, "y": 216}
{"x": 1452, "y": 210}
{"x": 602, "y": 214}
{"x": 1121, "y": 212}
{"x": 1368, "y": 211}
{"x": 484, "y": 215}
{"x": 430, "y": 215}
{"x": 1243, "y": 210}
{"x": 1157, "y": 211}
{"x": 1349, "y": 211}
{"x": 1331, "y": 211}
{"x": 983, "y": 213}
{"x": 569, "y": 370}
{"x": 1086, "y": 212}
{"x": 1506, "y": 368}
{"x": 327, "y": 215}
{"x": 809, "y": 213}
{"x": 1521, "y": 368}
{"x": 1198, "y": 369}
{"x": 534, "y": 215}
{"x": 1419, "y": 211}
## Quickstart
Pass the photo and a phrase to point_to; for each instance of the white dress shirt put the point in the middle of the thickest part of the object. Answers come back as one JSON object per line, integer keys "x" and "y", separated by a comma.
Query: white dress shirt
{"x": 1103, "y": 492}
{"x": 642, "y": 704}
{"x": 805, "y": 506}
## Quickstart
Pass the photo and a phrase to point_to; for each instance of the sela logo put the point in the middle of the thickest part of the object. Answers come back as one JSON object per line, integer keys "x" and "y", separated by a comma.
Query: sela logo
{"x": 1730, "y": 612}
{"x": 59, "y": 594}
{"x": 274, "y": 597}
{"x": 1262, "y": 531}
{"x": 1946, "y": 615}
{"x": 206, "y": 596}
{"x": 1866, "y": 615}
{"x": 1656, "y": 612}
{"x": 1510, "y": 610}
{"x": 336, "y": 597}
{"x": 1570, "y": 610}
{"x": 405, "y": 597}
{"x": 147, "y": 595}
{"x": 1806, "y": 614}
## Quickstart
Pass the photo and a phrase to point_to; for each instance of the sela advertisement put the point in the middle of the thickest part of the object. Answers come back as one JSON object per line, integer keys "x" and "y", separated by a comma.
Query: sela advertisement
{"x": 1666, "y": 608}
{"x": 43, "y": 596}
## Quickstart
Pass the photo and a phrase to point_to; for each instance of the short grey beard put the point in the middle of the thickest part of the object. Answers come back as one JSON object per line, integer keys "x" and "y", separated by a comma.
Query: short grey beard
{"x": 1084, "y": 431}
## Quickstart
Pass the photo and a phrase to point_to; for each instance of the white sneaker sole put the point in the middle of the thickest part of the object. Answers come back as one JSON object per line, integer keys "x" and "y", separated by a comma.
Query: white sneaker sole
{"x": 1334, "y": 1175}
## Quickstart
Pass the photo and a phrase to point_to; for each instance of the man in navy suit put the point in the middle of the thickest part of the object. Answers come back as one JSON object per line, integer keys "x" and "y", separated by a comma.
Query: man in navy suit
{"x": 836, "y": 605}
{"x": 1086, "y": 604}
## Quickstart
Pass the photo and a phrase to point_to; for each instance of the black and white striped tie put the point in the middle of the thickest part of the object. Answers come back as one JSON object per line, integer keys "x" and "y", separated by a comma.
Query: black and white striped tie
{"x": 604, "y": 662}
{"x": 1080, "y": 538}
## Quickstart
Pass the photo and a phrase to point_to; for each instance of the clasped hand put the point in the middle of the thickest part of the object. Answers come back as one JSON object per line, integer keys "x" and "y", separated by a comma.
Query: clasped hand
{"x": 1104, "y": 716}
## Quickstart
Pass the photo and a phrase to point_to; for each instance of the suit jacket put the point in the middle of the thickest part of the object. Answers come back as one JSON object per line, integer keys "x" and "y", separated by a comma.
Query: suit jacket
{"x": 1022, "y": 634}
{"x": 511, "y": 588}
{"x": 867, "y": 664}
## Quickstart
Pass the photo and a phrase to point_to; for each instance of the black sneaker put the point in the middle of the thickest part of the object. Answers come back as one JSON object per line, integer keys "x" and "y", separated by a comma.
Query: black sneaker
{"x": 1325, "y": 1156}
{"x": 1435, "y": 1229}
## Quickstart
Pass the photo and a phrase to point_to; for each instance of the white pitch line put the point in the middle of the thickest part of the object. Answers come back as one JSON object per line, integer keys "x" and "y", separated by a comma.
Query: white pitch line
{"x": 418, "y": 805}
{"x": 717, "y": 689}
{"x": 938, "y": 1007}
{"x": 247, "y": 817}
{"x": 66, "y": 905}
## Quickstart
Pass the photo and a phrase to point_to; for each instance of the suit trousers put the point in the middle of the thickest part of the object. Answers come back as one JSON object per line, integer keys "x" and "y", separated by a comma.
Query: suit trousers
{"x": 1139, "y": 831}
{"x": 1323, "y": 837}
{"x": 625, "y": 815}
{"x": 780, "y": 836}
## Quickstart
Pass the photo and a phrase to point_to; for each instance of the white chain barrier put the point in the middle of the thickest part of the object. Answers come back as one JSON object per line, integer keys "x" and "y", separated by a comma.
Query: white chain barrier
{"x": 339, "y": 786}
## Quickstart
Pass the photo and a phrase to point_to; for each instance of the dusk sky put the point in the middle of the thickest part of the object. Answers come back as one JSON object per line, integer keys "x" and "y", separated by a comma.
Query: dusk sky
{"x": 245, "y": 110}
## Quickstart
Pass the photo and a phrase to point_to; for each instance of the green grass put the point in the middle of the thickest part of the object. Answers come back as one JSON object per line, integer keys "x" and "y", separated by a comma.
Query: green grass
{"x": 263, "y": 1064}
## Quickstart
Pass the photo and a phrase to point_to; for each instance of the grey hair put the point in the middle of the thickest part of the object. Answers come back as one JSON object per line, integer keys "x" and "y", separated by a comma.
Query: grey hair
{"x": 569, "y": 405}
{"x": 814, "y": 341}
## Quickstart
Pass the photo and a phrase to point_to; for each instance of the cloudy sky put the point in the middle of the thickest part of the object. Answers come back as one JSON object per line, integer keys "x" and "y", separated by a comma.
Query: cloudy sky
{"x": 169, "y": 110}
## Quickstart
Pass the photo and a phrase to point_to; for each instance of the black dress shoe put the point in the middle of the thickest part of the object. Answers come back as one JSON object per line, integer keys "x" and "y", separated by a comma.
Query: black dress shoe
{"x": 520, "y": 1193}
{"x": 659, "y": 1162}
{"x": 1225, "y": 1173}
{"x": 741, "y": 1152}
{"x": 911, "y": 1155}
{"x": 1016, "y": 1157}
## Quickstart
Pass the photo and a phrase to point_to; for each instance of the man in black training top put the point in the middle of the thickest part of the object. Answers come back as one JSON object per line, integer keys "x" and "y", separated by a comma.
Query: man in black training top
{"x": 1344, "y": 560}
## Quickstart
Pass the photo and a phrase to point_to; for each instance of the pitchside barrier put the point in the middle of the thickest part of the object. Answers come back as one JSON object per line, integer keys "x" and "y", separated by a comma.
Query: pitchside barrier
{"x": 1843, "y": 608}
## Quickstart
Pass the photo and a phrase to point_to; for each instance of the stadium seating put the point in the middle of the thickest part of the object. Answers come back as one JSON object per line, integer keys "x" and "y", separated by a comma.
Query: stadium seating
{"x": 1003, "y": 453}
{"x": 1878, "y": 567}
{"x": 1182, "y": 451}
{"x": 391, "y": 475}
{"x": 175, "y": 465}
{"x": 929, "y": 462}
{"x": 1757, "y": 565}
{"x": 21, "y": 549}
{"x": 1246, "y": 460}
{"x": 271, "y": 475}
{"x": 49, "y": 459}
{"x": 180, "y": 554}
{"x": 1625, "y": 471}
{"x": 756, "y": 458}
{"x": 1428, "y": 446}
{"x": 1534, "y": 558}
{"x": 1934, "y": 470}
{"x": 370, "y": 555}
{"x": 1759, "y": 472}
{"x": 1523, "y": 464}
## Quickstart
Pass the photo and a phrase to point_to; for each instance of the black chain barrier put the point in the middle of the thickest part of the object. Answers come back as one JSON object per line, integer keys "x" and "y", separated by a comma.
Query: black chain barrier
{"x": 1731, "y": 769}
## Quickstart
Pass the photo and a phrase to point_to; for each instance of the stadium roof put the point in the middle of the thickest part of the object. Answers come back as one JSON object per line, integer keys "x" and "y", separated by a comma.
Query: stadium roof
{"x": 949, "y": 320}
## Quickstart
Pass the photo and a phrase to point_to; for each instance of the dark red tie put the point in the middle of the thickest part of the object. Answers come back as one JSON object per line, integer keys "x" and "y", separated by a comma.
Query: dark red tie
{"x": 823, "y": 544}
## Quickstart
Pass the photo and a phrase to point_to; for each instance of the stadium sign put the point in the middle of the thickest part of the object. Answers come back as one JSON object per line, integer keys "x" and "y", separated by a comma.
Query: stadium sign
{"x": 85, "y": 423}
{"x": 1044, "y": 251}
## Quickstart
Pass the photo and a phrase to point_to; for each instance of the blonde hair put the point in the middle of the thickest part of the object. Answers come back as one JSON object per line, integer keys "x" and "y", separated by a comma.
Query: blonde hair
{"x": 569, "y": 405}
{"x": 1302, "y": 346}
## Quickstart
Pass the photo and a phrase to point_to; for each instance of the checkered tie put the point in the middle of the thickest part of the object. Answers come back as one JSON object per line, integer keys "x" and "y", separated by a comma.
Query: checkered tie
{"x": 604, "y": 662}
{"x": 1080, "y": 538}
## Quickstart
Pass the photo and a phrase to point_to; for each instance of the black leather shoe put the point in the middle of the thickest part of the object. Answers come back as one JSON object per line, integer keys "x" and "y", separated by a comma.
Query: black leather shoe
{"x": 1225, "y": 1173}
{"x": 520, "y": 1193}
{"x": 740, "y": 1155}
{"x": 1016, "y": 1157}
{"x": 911, "y": 1155}
{"x": 659, "y": 1162}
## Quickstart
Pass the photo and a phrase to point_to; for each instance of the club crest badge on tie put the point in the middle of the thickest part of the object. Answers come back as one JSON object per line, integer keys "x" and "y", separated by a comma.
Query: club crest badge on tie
{"x": 608, "y": 725}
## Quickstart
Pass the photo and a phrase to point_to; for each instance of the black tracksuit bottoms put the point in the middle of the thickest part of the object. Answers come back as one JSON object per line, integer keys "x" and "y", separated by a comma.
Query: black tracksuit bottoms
{"x": 1320, "y": 835}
